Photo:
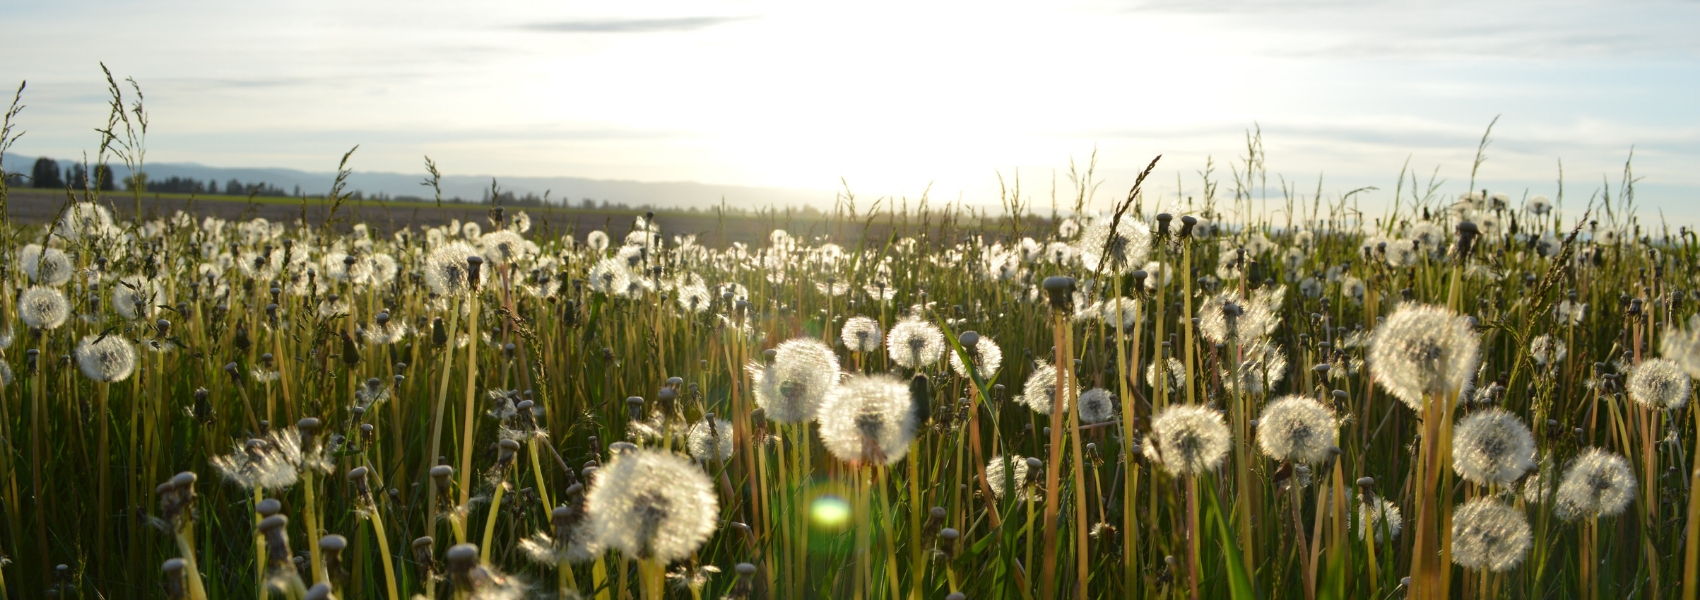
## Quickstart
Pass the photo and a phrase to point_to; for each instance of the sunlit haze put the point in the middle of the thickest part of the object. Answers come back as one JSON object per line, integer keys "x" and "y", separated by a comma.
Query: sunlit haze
{"x": 891, "y": 97}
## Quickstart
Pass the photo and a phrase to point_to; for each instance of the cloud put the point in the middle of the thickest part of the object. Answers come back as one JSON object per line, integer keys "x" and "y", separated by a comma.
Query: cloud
{"x": 658, "y": 25}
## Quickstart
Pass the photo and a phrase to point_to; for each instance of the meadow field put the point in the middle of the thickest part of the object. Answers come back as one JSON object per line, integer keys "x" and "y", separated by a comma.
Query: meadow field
{"x": 1468, "y": 394}
{"x": 1469, "y": 397}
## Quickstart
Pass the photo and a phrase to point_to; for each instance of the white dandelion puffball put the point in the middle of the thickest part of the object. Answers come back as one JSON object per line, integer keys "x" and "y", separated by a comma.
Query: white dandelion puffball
{"x": 1378, "y": 517}
{"x": 43, "y": 307}
{"x": 914, "y": 343}
{"x": 987, "y": 357}
{"x": 1546, "y": 350}
{"x": 447, "y": 271}
{"x": 803, "y": 373}
{"x": 694, "y": 298}
{"x": 1119, "y": 312}
{"x": 868, "y": 419}
{"x": 1226, "y": 317}
{"x": 1597, "y": 484}
{"x": 1097, "y": 405}
{"x": 710, "y": 440}
{"x": 46, "y": 266}
{"x": 135, "y": 297}
{"x": 861, "y": 334}
{"x": 1424, "y": 351}
{"x": 1489, "y": 536}
{"x": 1682, "y": 344}
{"x": 1297, "y": 429}
{"x": 1040, "y": 391}
{"x": 1187, "y": 440}
{"x": 1116, "y": 250}
{"x": 1003, "y": 480}
{"x": 597, "y": 240}
{"x": 1659, "y": 383}
{"x": 610, "y": 276}
{"x": 1492, "y": 447}
{"x": 651, "y": 504}
{"x": 1175, "y": 371}
{"x": 107, "y": 358}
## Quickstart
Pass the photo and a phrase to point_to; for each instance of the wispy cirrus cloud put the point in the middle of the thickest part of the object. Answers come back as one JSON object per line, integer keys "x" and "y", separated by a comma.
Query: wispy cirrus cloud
{"x": 652, "y": 25}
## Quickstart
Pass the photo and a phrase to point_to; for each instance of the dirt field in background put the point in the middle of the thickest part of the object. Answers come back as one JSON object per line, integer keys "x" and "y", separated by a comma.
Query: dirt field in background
{"x": 31, "y": 206}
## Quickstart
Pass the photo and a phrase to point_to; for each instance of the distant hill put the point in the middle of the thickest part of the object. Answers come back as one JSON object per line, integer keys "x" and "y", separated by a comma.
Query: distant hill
{"x": 680, "y": 194}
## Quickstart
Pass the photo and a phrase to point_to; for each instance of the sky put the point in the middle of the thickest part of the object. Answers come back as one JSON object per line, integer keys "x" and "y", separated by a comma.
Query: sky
{"x": 894, "y": 98}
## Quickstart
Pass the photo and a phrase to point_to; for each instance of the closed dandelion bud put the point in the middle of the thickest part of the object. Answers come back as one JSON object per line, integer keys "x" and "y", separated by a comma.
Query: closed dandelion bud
{"x": 1489, "y": 536}
{"x": 1187, "y": 223}
{"x": 234, "y": 372}
{"x": 1598, "y": 483}
{"x": 745, "y": 583}
{"x": 914, "y": 343}
{"x": 173, "y": 570}
{"x": 1297, "y": 429}
{"x": 861, "y": 334}
{"x": 651, "y": 504}
{"x": 947, "y": 542}
{"x": 920, "y": 397}
{"x": 798, "y": 377}
{"x": 331, "y": 547}
{"x": 1187, "y": 440}
{"x": 1659, "y": 383}
{"x": 357, "y": 480}
{"x": 461, "y": 560}
{"x": 424, "y": 555}
{"x": 956, "y": 596}
{"x": 1424, "y": 351}
{"x": 1492, "y": 447}
{"x": 241, "y": 338}
{"x": 868, "y": 420}
{"x": 935, "y": 522}
{"x": 1467, "y": 233}
{"x": 506, "y": 451}
{"x": 320, "y": 591}
{"x": 273, "y": 529}
{"x": 634, "y": 408}
{"x": 1061, "y": 291}
{"x": 106, "y": 358}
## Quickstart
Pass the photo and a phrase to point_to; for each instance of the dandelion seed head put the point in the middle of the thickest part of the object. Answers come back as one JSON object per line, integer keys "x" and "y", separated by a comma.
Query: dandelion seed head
{"x": 1659, "y": 383}
{"x": 651, "y": 504}
{"x": 1488, "y": 535}
{"x": 1015, "y": 478}
{"x": 1040, "y": 391}
{"x": 1424, "y": 351}
{"x": 868, "y": 419}
{"x": 42, "y": 307}
{"x": 106, "y": 358}
{"x": 987, "y": 357}
{"x": 46, "y": 266}
{"x": 1115, "y": 250}
{"x": 861, "y": 334}
{"x": 1597, "y": 484}
{"x": 1097, "y": 405}
{"x": 446, "y": 269}
{"x": 1297, "y": 429}
{"x": 802, "y": 374}
{"x": 914, "y": 343}
{"x": 710, "y": 441}
{"x": 1682, "y": 344}
{"x": 1188, "y": 439}
{"x": 1546, "y": 350}
{"x": 610, "y": 276}
{"x": 1378, "y": 517}
{"x": 1492, "y": 447}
